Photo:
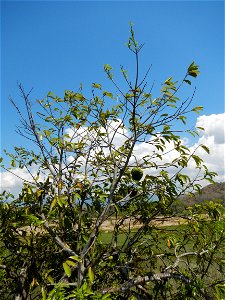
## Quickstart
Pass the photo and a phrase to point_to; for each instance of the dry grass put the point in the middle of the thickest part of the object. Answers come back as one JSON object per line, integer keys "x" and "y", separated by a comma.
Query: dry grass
{"x": 109, "y": 224}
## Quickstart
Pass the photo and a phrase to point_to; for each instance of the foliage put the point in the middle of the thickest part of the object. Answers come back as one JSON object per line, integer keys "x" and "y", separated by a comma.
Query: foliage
{"x": 85, "y": 171}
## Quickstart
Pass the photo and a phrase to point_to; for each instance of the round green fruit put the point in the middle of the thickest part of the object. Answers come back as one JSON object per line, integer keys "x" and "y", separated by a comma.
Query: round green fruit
{"x": 136, "y": 174}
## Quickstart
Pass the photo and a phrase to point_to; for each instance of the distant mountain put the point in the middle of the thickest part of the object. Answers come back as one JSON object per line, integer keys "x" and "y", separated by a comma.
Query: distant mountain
{"x": 210, "y": 192}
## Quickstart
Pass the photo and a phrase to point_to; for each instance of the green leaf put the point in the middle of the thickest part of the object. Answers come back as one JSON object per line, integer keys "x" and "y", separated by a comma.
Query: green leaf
{"x": 62, "y": 201}
{"x": 194, "y": 73}
{"x": 193, "y": 67}
{"x": 107, "y": 67}
{"x": 79, "y": 96}
{"x": 40, "y": 136}
{"x": 91, "y": 275}
{"x": 1, "y": 159}
{"x": 172, "y": 105}
{"x": 106, "y": 296}
{"x": 187, "y": 81}
{"x": 43, "y": 293}
{"x": 67, "y": 269}
{"x": 71, "y": 263}
{"x": 183, "y": 119}
{"x": 168, "y": 81}
{"x": 124, "y": 73}
{"x": 13, "y": 163}
{"x": 166, "y": 128}
{"x": 50, "y": 279}
{"x": 200, "y": 128}
{"x": 96, "y": 85}
{"x": 110, "y": 95}
{"x": 53, "y": 204}
{"x": 146, "y": 95}
{"x": 51, "y": 95}
{"x": 48, "y": 272}
{"x": 197, "y": 109}
{"x": 193, "y": 70}
{"x": 76, "y": 197}
{"x": 75, "y": 257}
{"x": 117, "y": 209}
{"x": 197, "y": 160}
{"x": 205, "y": 148}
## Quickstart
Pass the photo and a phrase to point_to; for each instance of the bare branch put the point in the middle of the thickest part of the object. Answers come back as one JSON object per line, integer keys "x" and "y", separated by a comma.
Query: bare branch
{"x": 141, "y": 280}
{"x": 56, "y": 238}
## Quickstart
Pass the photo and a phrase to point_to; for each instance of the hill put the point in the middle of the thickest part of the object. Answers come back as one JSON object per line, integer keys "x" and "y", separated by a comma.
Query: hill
{"x": 210, "y": 192}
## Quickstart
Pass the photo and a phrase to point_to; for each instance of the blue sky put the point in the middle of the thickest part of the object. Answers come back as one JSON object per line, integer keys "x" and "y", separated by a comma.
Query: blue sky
{"x": 55, "y": 45}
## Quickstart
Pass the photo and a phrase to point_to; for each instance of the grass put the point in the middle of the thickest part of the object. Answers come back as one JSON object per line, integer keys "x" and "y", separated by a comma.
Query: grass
{"x": 165, "y": 232}
{"x": 188, "y": 264}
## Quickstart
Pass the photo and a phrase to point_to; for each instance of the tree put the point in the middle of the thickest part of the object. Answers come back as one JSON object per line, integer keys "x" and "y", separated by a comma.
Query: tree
{"x": 85, "y": 171}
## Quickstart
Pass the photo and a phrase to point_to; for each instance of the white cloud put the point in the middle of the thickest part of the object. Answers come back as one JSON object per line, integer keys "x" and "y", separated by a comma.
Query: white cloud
{"x": 102, "y": 135}
{"x": 214, "y": 126}
{"x": 212, "y": 137}
{"x": 83, "y": 134}
{"x": 13, "y": 183}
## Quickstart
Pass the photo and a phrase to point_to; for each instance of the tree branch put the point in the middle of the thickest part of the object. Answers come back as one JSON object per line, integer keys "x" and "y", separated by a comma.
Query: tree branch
{"x": 141, "y": 280}
{"x": 56, "y": 238}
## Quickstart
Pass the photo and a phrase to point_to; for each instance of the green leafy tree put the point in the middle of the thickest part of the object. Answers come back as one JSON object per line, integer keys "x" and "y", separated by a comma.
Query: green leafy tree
{"x": 86, "y": 172}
